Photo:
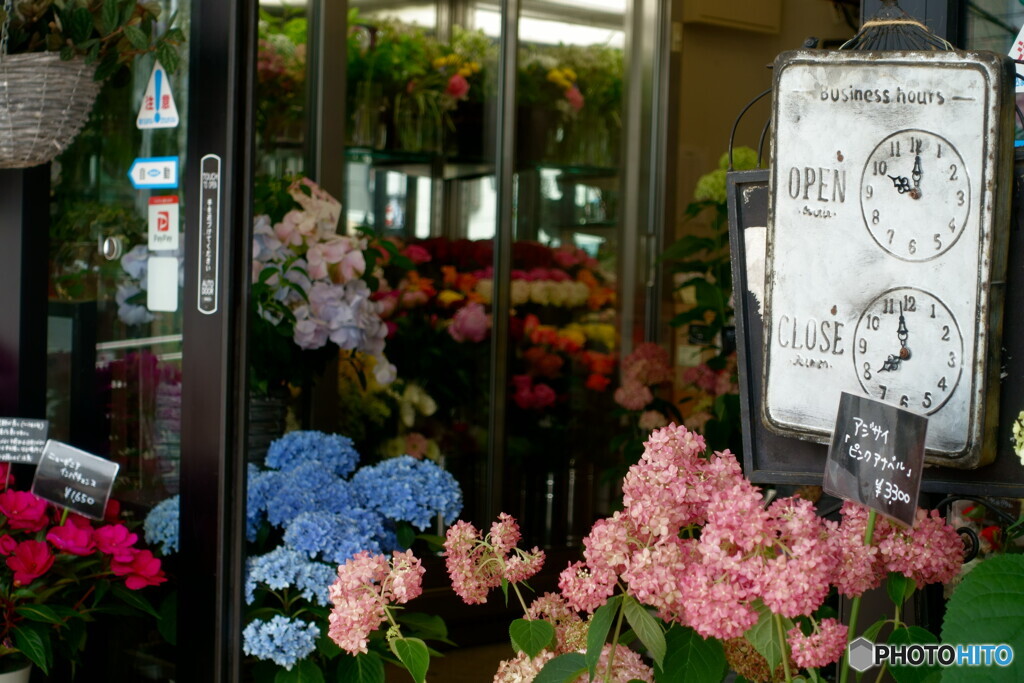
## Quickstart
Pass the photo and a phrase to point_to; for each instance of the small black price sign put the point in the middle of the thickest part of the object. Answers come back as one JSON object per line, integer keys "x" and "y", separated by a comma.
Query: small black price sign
{"x": 22, "y": 440}
{"x": 876, "y": 457}
{"x": 74, "y": 479}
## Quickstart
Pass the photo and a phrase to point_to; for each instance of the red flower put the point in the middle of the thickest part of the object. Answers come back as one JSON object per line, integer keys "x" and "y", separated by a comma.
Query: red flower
{"x": 142, "y": 570}
{"x": 72, "y": 538}
{"x": 112, "y": 513}
{"x": 30, "y": 560}
{"x": 23, "y": 510}
{"x": 116, "y": 540}
{"x": 458, "y": 86}
{"x": 597, "y": 382}
{"x": 7, "y": 544}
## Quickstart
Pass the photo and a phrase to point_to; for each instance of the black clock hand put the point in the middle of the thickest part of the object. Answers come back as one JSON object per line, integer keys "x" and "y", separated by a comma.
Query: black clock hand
{"x": 902, "y": 183}
{"x": 893, "y": 361}
{"x": 916, "y": 175}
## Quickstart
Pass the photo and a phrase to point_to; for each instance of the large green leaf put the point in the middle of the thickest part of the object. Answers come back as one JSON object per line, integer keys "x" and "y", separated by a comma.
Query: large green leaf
{"x": 765, "y": 637}
{"x": 363, "y": 668}
{"x": 134, "y": 599}
{"x": 40, "y": 613}
{"x": 429, "y": 626}
{"x": 168, "y": 623}
{"x": 138, "y": 39}
{"x": 34, "y": 642}
{"x": 304, "y": 671}
{"x": 647, "y": 629}
{"x": 531, "y": 635}
{"x": 413, "y": 654}
{"x": 562, "y": 668}
{"x": 988, "y": 607}
{"x": 914, "y": 674}
{"x": 691, "y": 658}
{"x": 597, "y": 632}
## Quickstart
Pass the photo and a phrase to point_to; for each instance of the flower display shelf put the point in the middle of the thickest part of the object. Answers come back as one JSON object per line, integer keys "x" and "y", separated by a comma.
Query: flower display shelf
{"x": 419, "y": 165}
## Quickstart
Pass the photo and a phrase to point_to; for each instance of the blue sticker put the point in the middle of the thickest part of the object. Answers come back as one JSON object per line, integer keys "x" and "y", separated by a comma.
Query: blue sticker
{"x": 154, "y": 173}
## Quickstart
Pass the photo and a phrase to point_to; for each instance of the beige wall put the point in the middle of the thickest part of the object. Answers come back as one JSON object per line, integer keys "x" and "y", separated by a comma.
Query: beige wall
{"x": 722, "y": 69}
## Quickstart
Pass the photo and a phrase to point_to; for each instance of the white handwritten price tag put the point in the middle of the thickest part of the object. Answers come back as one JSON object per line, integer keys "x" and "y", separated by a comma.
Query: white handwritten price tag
{"x": 1017, "y": 52}
{"x": 876, "y": 456}
{"x": 74, "y": 479}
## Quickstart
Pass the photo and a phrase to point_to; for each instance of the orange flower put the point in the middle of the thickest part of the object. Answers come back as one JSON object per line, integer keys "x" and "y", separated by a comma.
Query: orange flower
{"x": 597, "y": 382}
{"x": 599, "y": 363}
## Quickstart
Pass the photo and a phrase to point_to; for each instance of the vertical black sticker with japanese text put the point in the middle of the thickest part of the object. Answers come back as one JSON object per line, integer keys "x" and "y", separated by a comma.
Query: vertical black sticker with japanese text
{"x": 209, "y": 233}
{"x": 876, "y": 456}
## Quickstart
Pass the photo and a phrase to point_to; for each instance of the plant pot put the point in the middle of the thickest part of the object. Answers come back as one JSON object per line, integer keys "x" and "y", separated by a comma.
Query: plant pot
{"x": 21, "y": 675}
{"x": 44, "y": 102}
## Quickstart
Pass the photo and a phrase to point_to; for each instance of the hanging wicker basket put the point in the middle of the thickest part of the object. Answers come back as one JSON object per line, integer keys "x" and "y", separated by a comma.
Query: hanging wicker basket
{"x": 44, "y": 102}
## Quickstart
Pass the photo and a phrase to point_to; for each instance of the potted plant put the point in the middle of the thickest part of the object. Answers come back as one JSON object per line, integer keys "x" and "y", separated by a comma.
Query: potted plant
{"x": 60, "y": 570}
{"x": 57, "y": 55}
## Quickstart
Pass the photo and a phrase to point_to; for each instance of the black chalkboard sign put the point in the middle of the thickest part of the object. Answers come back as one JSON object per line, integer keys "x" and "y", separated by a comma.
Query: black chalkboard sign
{"x": 22, "y": 440}
{"x": 876, "y": 456}
{"x": 74, "y": 479}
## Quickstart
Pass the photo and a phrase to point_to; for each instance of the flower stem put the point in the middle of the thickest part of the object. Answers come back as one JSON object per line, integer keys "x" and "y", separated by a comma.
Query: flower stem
{"x": 851, "y": 632}
{"x": 615, "y": 638}
{"x": 782, "y": 646}
{"x": 519, "y": 595}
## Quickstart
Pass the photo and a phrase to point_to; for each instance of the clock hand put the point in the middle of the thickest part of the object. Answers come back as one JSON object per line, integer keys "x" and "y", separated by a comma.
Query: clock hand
{"x": 902, "y": 183}
{"x": 916, "y": 175}
{"x": 893, "y": 361}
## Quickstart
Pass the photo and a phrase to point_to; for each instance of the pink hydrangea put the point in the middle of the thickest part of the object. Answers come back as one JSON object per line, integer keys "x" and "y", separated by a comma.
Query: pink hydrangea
{"x": 656, "y": 575}
{"x": 633, "y": 396}
{"x": 626, "y": 666}
{"x": 930, "y": 552}
{"x": 584, "y": 588}
{"x": 610, "y": 543}
{"x": 522, "y": 667}
{"x": 570, "y": 629}
{"x": 476, "y": 565}
{"x": 823, "y": 647}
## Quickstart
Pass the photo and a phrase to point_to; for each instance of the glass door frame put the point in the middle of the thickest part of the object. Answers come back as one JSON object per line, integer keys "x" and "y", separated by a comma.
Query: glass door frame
{"x": 222, "y": 48}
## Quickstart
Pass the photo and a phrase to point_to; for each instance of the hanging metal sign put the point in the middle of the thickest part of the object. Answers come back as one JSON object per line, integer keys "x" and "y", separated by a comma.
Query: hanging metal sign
{"x": 209, "y": 233}
{"x": 21, "y": 439}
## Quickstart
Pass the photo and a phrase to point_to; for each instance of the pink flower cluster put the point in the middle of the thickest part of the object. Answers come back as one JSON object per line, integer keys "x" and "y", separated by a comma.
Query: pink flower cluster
{"x": 476, "y": 565}
{"x": 647, "y": 366}
{"x": 365, "y": 586}
{"x": 784, "y": 556}
{"x": 530, "y": 396}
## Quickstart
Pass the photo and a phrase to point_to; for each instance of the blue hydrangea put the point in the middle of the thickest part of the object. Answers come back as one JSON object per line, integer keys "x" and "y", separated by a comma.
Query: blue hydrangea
{"x": 285, "y": 567}
{"x": 333, "y": 451}
{"x": 259, "y": 486}
{"x": 161, "y": 525}
{"x": 411, "y": 490}
{"x": 335, "y": 537}
{"x": 306, "y": 488}
{"x": 282, "y": 640}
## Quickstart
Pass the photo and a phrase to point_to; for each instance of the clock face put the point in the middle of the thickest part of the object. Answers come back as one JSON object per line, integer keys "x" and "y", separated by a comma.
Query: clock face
{"x": 915, "y": 194}
{"x": 908, "y": 350}
{"x": 886, "y": 242}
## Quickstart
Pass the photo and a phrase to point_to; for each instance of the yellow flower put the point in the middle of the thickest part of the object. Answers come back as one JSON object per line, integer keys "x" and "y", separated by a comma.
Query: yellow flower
{"x": 559, "y": 78}
{"x": 569, "y": 73}
{"x": 574, "y": 334}
{"x": 448, "y": 296}
{"x": 474, "y": 66}
{"x": 465, "y": 71}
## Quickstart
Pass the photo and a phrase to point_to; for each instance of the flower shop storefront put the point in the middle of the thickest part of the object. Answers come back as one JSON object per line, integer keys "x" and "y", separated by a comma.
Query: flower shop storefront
{"x": 379, "y": 307}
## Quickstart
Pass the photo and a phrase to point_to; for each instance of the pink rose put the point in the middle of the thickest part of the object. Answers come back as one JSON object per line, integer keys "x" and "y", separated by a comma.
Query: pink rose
{"x": 23, "y": 510}
{"x": 470, "y": 323}
{"x": 116, "y": 540}
{"x": 72, "y": 538}
{"x": 29, "y": 560}
{"x": 458, "y": 87}
{"x": 575, "y": 98}
{"x": 416, "y": 254}
{"x": 142, "y": 570}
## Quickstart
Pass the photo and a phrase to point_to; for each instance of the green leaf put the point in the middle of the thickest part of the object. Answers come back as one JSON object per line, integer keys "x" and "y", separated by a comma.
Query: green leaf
{"x": 79, "y": 25}
{"x": 562, "y": 668}
{"x": 531, "y": 636}
{"x": 765, "y": 638}
{"x": 988, "y": 607}
{"x": 133, "y": 599}
{"x": 67, "y": 53}
{"x": 413, "y": 654}
{"x": 899, "y": 588}
{"x": 135, "y": 36}
{"x": 691, "y": 658}
{"x": 39, "y": 613}
{"x": 647, "y": 629}
{"x": 108, "y": 17}
{"x": 914, "y": 674}
{"x": 304, "y": 671}
{"x": 34, "y": 643}
{"x": 429, "y": 626}
{"x": 406, "y": 534}
{"x": 168, "y": 55}
{"x": 168, "y": 623}
{"x": 107, "y": 66}
{"x": 597, "y": 632}
{"x": 871, "y": 632}
{"x": 363, "y": 668}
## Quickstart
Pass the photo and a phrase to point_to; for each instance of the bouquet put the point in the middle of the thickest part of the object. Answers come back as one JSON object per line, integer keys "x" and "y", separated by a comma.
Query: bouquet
{"x": 61, "y": 569}
{"x": 309, "y": 510}
{"x": 311, "y": 286}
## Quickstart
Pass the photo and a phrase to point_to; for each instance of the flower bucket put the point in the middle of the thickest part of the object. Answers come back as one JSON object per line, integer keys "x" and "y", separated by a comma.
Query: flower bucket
{"x": 21, "y": 675}
{"x": 44, "y": 102}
